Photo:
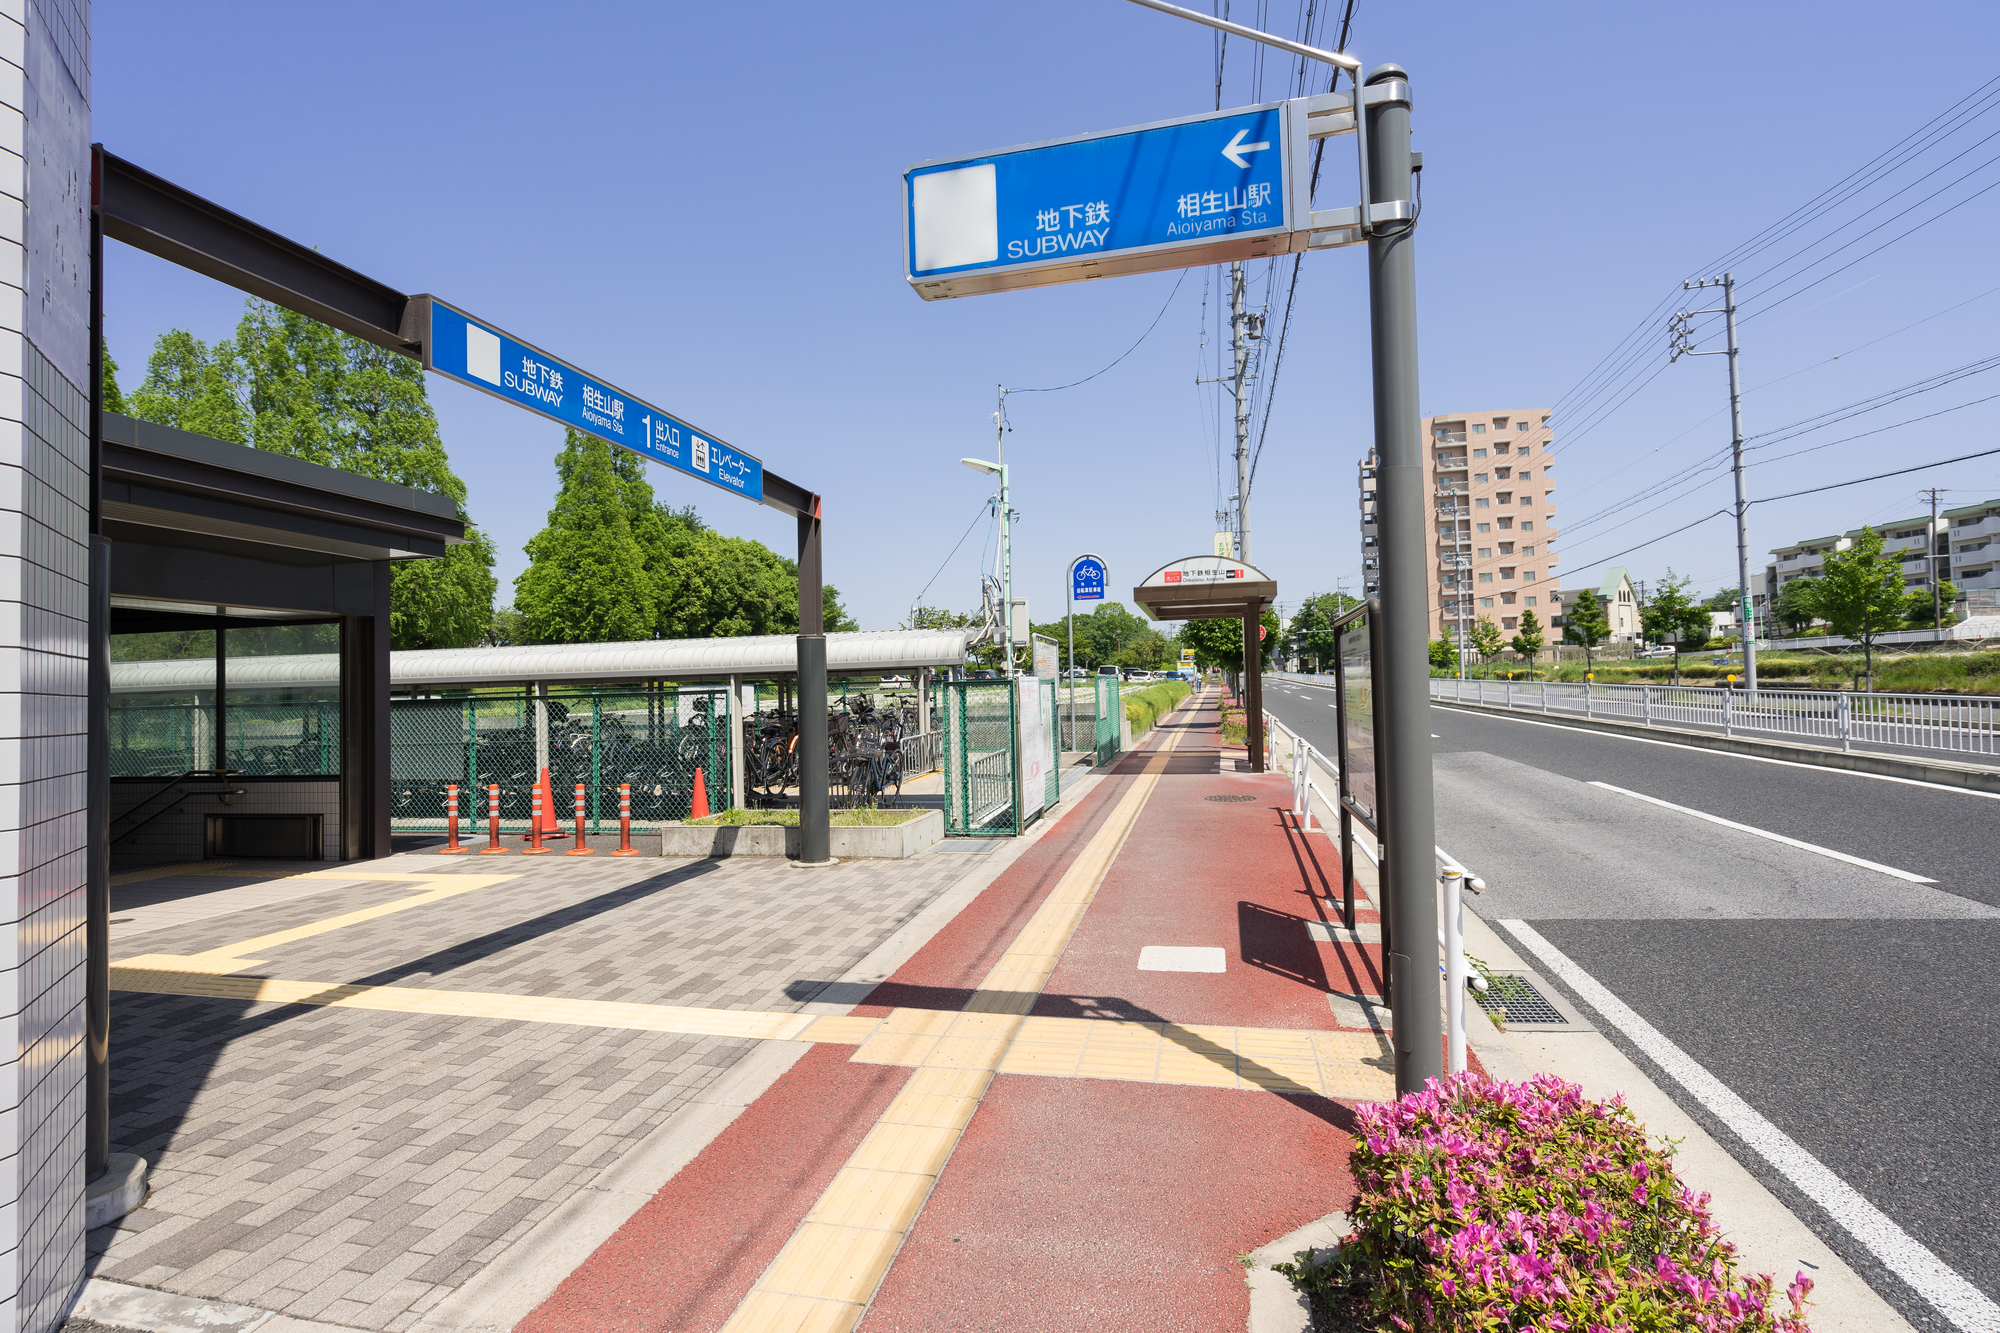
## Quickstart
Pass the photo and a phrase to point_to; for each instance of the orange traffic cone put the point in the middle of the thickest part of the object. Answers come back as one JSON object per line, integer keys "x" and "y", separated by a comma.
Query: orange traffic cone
{"x": 550, "y": 828}
{"x": 699, "y": 810}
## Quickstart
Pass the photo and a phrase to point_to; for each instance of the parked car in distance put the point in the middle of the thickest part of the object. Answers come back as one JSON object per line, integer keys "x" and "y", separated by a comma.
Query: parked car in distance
{"x": 1107, "y": 671}
{"x": 984, "y": 675}
{"x": 1076, "y": 673}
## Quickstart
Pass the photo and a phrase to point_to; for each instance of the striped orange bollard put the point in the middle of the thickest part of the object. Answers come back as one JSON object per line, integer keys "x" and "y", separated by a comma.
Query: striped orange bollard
{"x": 625, "y": 847}
{"x": 493, "y": 847}
{"x": 583, "y": 847}
{"x": 534, "y": 847}
{"x": 451, "y": 846}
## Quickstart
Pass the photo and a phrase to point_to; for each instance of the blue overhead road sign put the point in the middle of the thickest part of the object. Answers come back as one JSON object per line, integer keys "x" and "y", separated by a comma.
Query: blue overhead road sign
{"x": 1179, "y": 193}
{"x": 1087, "y": 580}
{"x": 475, "y": 353}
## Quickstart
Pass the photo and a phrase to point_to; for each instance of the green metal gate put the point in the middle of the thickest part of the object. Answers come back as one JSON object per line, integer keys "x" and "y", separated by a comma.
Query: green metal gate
{"x": 1053, "y": 792}
{"x": 1087, "y": 717}
{"x": 654, "y": 737}
{"x": 979, "y": 738}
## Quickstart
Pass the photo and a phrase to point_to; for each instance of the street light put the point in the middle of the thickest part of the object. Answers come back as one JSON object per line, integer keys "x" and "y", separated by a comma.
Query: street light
{"x": 1006, "y": 558}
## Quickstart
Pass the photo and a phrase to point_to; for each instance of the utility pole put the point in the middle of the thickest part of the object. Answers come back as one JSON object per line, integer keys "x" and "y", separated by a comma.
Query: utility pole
{"x": 1931, "y": 563}
{"x": 1245, "y": 328}
{"x": 1683, "y": 345}
{"x": 1006, "y": 530}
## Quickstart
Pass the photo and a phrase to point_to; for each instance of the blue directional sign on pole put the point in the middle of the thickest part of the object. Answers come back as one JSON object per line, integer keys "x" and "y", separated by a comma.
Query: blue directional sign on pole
{"x": 472, "y": 352}
{"x": 1087, "y": 580}
{"x": 1200, "y": 190}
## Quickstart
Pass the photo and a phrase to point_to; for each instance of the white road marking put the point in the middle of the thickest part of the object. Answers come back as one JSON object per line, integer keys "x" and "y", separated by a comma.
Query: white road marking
{"x": 1181, "y": 958}
{"x": 1902, "y": 1254}
{"x": 1766, "y": 833}
{"x": 1731, "y": 754}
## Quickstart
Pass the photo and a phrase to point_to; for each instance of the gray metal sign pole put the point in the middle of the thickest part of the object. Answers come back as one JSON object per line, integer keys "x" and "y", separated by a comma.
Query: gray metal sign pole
{"x": 1402, "y": 717}
{"x": 815, "y": 837}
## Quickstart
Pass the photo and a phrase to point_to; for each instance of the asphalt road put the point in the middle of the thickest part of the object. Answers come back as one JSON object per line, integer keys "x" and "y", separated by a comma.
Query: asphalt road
{"x": 1852, "y": 1008}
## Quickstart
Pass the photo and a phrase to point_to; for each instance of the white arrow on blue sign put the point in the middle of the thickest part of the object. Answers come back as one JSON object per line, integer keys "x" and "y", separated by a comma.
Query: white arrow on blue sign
{"x": 1200, "y": 190}
{"x": 462, "y": 348}
{"x": 1087, "y": 580}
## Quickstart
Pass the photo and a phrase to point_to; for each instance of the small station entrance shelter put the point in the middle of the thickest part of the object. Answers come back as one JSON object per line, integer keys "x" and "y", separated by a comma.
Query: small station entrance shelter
{"x": 1215, "y": 587}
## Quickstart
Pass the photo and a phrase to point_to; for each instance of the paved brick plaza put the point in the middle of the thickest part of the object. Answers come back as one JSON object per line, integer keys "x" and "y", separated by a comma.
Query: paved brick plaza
{"x": 356, "y": 1166}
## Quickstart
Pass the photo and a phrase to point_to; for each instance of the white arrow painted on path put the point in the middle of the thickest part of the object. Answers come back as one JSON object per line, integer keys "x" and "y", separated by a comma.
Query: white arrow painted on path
{"x": 1236, "y": 148}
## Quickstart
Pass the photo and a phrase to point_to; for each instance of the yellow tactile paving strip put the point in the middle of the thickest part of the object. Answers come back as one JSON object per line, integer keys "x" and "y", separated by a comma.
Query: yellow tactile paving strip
{"x": 1347, "y": 1065}
{"x": 828, "y": 1271}
{"x": 426, "y": 889}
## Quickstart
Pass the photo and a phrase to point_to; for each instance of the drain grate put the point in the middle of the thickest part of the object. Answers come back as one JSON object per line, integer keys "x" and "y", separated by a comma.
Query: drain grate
{"x": 1524, "y": 1003}
{"x": 1229, "y": 798}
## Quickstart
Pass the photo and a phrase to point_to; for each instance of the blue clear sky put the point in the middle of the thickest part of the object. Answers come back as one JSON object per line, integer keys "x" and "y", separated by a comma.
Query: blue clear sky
{"x": 701, "y": 203}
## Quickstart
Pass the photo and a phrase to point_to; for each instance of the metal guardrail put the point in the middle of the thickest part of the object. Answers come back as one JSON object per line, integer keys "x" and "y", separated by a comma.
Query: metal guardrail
{"x": 1455, "y": 878}
{"x": 1948, "y": 724}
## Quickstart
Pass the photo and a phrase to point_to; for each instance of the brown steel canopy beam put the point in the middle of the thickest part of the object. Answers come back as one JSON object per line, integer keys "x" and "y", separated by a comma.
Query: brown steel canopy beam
{"x": 163, "y": 219}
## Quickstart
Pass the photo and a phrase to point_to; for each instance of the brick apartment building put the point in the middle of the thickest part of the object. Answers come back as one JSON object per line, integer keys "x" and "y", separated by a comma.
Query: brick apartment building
{"x": 1494, "y": 508}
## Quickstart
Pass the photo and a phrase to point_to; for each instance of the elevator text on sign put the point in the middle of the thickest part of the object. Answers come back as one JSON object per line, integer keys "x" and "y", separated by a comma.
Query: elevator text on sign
{"x": 461, "y": 348}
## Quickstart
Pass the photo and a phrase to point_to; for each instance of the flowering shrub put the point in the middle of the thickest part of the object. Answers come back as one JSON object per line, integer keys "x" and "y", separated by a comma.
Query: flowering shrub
{"x": 1498, "y": 1206}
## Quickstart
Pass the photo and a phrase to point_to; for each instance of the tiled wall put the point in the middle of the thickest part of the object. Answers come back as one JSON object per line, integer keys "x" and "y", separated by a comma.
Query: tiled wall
{"x": 44, "y": 574}
{"x": 181, "y": 834}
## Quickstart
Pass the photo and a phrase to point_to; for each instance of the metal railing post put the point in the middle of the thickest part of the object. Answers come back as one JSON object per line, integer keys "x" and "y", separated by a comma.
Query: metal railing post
{"x": 1729, "y": 712}
{"x": 1454, "y": 969}
{"x": 1645, "y": 705}
{"x": 1586, "y": 701}
{"x": 1846, "y": 721}
{"x": 1545, "y": 696}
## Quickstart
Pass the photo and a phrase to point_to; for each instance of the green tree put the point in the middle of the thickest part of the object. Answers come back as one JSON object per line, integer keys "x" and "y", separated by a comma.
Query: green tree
{"x": 1672, "y": 616}
{"x": 1312, "y": 626}
{"x": 1729, "y": 599}
{"x": 114, "y": 401}
{"x": 1585, "y": 624}
{"x": 937, "y": 617}
{"x": 1486, "y": 640}
{"x": 1922, "y": 606}
{"x": 192, "y": 387}
{"x": 1219, "y": 643}
{"x": 1528, "y": 642}
{"x": 586, "y": 580}
{"x": 286, "y": 384}
{"x": 1862, "y": 595}
{"x": 1444, "y": 656}
{"x": 1796, "y": 606}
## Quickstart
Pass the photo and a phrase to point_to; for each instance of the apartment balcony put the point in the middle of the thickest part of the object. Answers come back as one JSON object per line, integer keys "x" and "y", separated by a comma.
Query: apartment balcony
{"x": 1452, "y": 463}
{"x": 1448, "y": 437}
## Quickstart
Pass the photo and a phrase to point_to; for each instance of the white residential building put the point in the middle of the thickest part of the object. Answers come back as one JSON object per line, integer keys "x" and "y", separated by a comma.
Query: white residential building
{"x": 1975, "y": 544}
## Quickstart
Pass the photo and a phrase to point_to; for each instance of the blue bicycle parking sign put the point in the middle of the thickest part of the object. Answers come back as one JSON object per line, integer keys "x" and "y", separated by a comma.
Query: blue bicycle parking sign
{"x": 1086, "y": 580}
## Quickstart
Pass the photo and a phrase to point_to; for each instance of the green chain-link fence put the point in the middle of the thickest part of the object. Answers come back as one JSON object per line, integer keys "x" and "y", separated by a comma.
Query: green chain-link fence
{"x": 1087, "y": 717}
{"x": 980, "y": 731}
{"x": 655, "y": 738}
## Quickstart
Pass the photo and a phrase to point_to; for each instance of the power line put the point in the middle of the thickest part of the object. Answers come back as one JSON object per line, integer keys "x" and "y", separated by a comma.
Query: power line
{"x": 1793, "y": 495}
{"x": 1901, "y": 471}
{"x": 1057, "y": 388}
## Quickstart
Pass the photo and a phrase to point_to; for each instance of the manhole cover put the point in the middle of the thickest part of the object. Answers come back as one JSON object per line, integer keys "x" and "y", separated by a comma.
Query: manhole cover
{"x": 1229, "y": 798}
{"x": 1523, "y": 1003}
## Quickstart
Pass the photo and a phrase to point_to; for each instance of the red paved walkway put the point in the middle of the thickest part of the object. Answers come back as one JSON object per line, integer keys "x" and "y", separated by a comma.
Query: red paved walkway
{"x": 1068, "y": 1203}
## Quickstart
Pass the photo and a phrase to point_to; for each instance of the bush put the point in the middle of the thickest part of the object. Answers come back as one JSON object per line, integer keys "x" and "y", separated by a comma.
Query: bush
{"x": 1492, "y": 1206}
{"x": 1144, "y": 708}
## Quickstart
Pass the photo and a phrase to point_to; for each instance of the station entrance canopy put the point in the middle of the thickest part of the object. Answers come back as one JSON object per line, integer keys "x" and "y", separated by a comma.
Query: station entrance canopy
{"x": 1205, "y": 587}
{"x": 1216, "y": 587}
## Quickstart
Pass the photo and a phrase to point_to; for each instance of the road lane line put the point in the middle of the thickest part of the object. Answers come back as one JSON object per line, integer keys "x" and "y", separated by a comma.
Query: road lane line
{"x": 1766, "y": 833}
{"x": 1731, "y": 754}
{"x": 1902, "y": 1254}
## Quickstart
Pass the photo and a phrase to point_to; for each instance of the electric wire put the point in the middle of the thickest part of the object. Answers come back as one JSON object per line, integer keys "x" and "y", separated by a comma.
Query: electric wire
{"x": 1057, "y": 388}
{"x": 984, "y": 506}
